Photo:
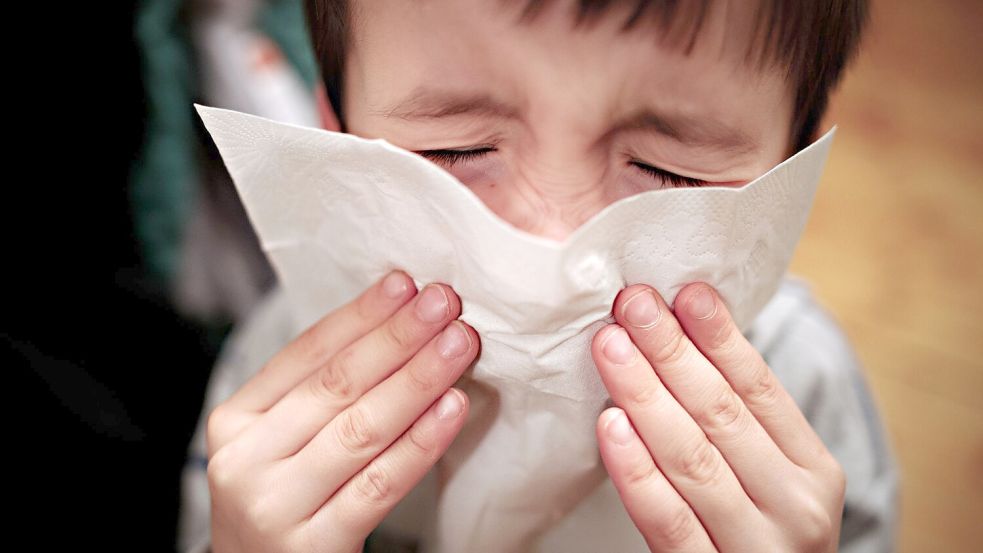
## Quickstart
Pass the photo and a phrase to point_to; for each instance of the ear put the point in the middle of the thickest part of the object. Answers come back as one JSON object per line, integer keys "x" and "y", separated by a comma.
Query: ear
{"x": 328, "y": 118}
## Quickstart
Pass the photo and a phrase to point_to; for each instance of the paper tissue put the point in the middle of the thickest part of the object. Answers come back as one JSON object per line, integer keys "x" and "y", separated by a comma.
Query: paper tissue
{"x": 334, "y": 212}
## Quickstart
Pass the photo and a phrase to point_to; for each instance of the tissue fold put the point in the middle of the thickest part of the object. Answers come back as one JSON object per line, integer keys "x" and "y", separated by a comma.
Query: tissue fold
{"x": 335, "y": 212}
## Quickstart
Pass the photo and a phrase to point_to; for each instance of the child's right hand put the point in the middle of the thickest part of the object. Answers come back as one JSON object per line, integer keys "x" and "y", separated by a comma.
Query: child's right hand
{"x": 313, "y": 451}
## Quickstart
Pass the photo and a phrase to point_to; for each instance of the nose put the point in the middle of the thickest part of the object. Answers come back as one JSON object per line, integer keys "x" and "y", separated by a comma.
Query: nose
{"x": 548, "y": 208}
{"x": 553, "y": 229}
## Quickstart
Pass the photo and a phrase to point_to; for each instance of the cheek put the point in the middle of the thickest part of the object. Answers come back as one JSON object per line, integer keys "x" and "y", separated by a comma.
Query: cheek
{"x": 630, "y": 181}
{"x": 488, "y": 179}
{"x": 476, "y": 174}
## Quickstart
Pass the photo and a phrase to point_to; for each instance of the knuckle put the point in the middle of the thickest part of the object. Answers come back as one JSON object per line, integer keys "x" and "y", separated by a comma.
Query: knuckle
{"x": 725, "y": 414}
{"x": 671, "y": 350}
{"x": 763, "y": 391}
{"x": 373, "y": 485}
{"x": 263, "y": 513}
{"x": 364, "y": 308}
{"x": 422, "y": 441}
{"x": 644, "y": 394}
{"x": 641, "y": 474}
{"x": 311, "y": 344}
{"x": 216, "y": 424}
{"x": 422, "y": 377}
{"x": 839, "y": 478}
{"x": 257, "y": 512}
{"x": 676, "y": 529}
{"x": 220, "y": 471}
{"x": 725, "y": 338}
{"x": 399, "y": 334}
{"x": 816, "y": 527}
{"x": 836, "y": 475}
{"x": 701, "y": 464}
{"x": 332, "y": 381}
{"x": 355, "y": 434}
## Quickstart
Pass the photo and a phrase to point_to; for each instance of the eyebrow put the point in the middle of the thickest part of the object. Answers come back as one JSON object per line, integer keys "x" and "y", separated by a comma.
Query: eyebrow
{"x": 424, "y": 103}
{"x": 692, "y": 131}
{"x": 428, "y": 104}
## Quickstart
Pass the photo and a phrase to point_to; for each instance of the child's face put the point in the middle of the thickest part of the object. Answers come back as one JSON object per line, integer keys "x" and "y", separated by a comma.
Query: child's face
{"x": 563, "y": 110}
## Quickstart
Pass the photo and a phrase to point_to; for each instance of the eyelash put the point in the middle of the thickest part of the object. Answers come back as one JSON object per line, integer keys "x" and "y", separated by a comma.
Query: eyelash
{"x": 674, "y": 180}
{"x": 450, "y": 157}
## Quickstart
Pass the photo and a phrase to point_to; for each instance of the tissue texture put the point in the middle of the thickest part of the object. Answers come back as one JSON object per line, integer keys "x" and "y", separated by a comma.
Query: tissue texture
{"x": 335, "y": 212}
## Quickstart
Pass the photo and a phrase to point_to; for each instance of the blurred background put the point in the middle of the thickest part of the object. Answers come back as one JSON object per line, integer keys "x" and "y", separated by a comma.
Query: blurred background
{"x": 894, "y": 248}
{"x": 144, "y": 259}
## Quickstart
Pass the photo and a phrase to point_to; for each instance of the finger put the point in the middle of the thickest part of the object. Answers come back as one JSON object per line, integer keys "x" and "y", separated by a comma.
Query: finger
{"x": 692, "y": 464}
{"x": 356, "y": 369}
{"x": 304, "y": 354}
{"x": 319, "y": 342}
{"x": 709, "y": 324}
{"x": 361, "y": 504}
{"x": 665, "y": 520}
{"x": 706, "y": 395}
{"x": 364, "y": 429}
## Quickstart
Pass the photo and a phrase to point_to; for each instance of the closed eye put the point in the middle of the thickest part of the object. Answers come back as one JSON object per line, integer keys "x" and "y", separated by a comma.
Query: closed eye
{"x": 677, "y": 181}
{"x": 449, "y": 157}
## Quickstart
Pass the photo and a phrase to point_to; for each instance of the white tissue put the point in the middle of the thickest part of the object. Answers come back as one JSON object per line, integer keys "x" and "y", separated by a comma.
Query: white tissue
{"x": 335, "y": 212}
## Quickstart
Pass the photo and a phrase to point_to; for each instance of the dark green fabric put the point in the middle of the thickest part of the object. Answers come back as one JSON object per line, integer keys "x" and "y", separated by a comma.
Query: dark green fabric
{"x": 164, "y": 179}
{"x": 283, "y": 21}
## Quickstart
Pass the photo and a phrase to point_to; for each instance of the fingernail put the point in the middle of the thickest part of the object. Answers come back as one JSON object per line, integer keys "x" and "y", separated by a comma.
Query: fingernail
{"x": 618, "y": 347}
{"x": 620, "y": 430}
{"x": 432, "y": 305}
{"x": 394, "y": 285}
{"x": 449, "y": 406}
{"x": 453, "y": 341}
{"x": 642, "y": 310}
{"x": 702, "y": 305}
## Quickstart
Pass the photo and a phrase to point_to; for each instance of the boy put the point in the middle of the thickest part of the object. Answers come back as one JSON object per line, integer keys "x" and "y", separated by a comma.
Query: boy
{"x": 548, "y": 122}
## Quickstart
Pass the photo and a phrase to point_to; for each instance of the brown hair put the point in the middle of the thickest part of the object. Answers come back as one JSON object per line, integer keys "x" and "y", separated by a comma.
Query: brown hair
{"x": 814, "y": 40}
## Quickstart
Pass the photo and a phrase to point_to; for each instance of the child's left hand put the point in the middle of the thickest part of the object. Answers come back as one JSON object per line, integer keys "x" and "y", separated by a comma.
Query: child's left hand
{"x": 714, "y": 470}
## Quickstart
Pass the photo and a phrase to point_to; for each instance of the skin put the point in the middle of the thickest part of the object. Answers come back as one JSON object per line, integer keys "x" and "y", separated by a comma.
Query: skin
{"x": 313, "y": 451}
{"x": 561, "y": 159}
{"x": 706, "y": 448}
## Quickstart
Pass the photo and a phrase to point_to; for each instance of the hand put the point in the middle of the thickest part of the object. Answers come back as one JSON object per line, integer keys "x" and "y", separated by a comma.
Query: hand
{"x": 313, "y": 451}
{"x": 714, "y": 455}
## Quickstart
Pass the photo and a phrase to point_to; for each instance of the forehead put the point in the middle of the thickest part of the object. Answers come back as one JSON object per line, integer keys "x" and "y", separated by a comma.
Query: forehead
{"x": 595, "y": 69}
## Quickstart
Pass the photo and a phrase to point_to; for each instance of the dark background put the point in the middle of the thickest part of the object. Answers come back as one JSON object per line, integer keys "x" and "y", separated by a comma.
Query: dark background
{"x": 108, "y": 380}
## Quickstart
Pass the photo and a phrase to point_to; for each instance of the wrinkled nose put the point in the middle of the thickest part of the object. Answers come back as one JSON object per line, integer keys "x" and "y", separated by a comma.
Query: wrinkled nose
{"x": 548, "y": 191}
{"x": 549, "y": 212}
